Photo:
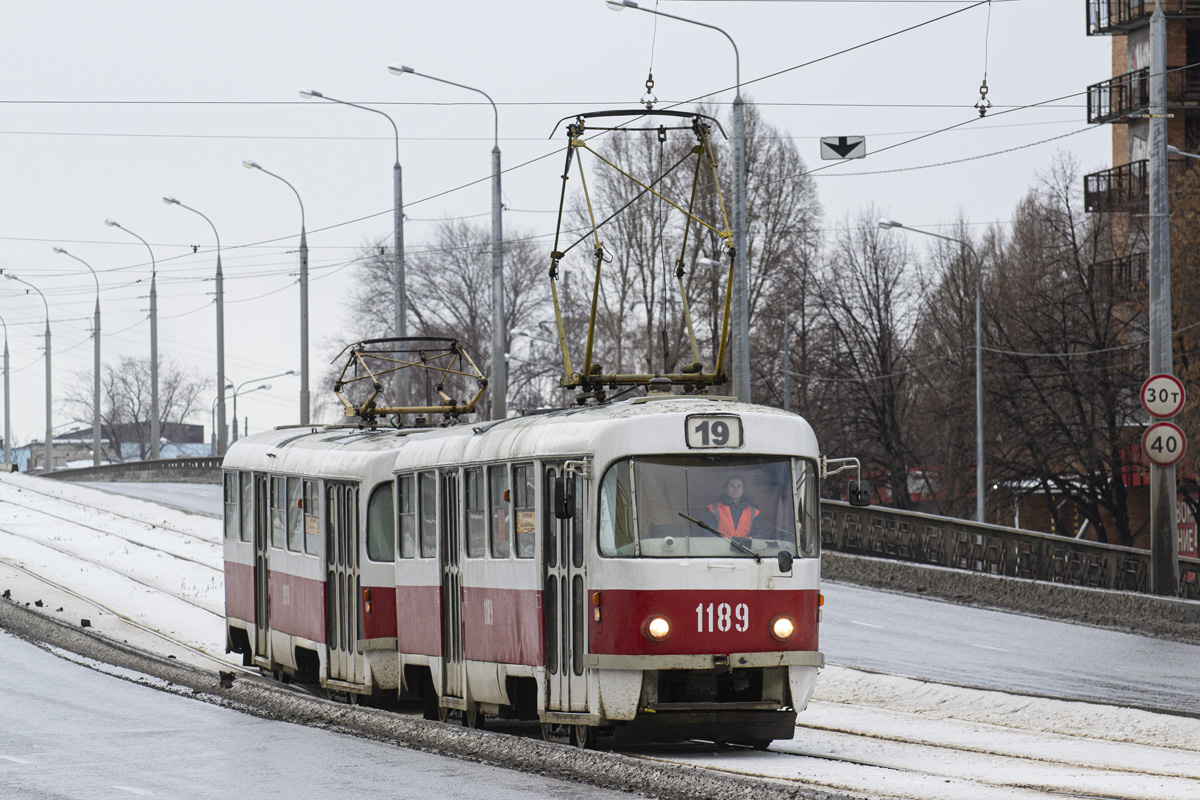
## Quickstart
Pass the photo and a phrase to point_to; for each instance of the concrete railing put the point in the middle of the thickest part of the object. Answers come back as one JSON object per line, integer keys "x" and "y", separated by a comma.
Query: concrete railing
{"x": 167, "y": 470}
{"x": 961, "y": 544}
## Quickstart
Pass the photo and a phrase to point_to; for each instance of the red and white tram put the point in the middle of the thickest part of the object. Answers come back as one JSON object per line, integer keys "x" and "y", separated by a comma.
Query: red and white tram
{"x": 564, "y": 567}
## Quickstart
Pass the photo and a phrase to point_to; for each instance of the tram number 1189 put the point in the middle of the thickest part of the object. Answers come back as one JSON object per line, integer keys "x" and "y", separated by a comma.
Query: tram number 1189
{"x": 721, "y": 617}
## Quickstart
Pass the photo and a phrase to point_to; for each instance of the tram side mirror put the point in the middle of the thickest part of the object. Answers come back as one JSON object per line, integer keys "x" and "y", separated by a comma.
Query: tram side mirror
{"x": 785, "y": 561}
{"x": 564, "y": 502}
{"x": 858, "y": 493}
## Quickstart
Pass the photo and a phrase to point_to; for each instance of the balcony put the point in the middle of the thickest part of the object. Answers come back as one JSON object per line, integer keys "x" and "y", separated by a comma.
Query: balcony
{"x": 1127, "y": 187}
{"x": 1118, "y": 16}
{"x": 1124, "y": 275}
{"x": 1116, "y": 98}
{"x": 1118, "y": 189}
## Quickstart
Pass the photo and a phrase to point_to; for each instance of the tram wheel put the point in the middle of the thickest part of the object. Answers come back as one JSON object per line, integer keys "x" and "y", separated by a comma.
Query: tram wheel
{"x": 472, "y": 717}
{"x": 583, "y": 736}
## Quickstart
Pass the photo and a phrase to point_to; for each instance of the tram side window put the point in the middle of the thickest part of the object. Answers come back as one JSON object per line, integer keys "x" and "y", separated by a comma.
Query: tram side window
{"x": 428, "y": 482}
{"x": 246, "y": 504}
{"x": 500, "y": 527}
{"x": 381, "y": 531}
{"x": 476, "y": 514}
{"x": 295, "y": 515}
{"x": 231, "y": 505}
{"x": 616, "y": 512}
{"x": 312, "y": 518}
{"x": 278, "y": 513}
{"x": 407, "y": 512}
{"x": 523, "y": 509}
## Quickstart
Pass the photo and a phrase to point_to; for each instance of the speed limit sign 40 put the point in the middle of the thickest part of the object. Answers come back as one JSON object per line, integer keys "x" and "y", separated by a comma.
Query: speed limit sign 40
{"x": 1164, "y": 443}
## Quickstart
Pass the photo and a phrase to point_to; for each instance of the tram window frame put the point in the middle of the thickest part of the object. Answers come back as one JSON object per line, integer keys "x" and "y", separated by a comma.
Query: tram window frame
{"x": 524, "y": 503}
{"x": 381, "y": 524}
{"x": 278, "y": 507}
{"x": 475, "y": 498}
{"x": 577, "y": 531}
{"x": 427, "y": 516}
{"x": 311, "y": 497}
{"x": 549, "y": 520}
{"x": 406, "y": 516}
{"x": 499, "y": 512}
{"x": 295, "y": 515}
{"x": 245, "y": 505}
{"x": 230, "y": 482}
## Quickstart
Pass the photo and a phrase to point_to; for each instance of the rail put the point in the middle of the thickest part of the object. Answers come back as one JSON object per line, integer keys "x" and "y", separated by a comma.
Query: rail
{"x": 167, "y": 470}
{"x": 961, "y": 544}
{"x": 1113, "y": 16}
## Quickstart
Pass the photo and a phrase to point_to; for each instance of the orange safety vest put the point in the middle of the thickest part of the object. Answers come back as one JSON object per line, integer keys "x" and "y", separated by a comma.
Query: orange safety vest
{"x": 724, "y": 515}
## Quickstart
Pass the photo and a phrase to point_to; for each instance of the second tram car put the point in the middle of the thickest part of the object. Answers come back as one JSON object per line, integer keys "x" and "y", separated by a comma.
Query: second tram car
{"x": 578, "y": 567}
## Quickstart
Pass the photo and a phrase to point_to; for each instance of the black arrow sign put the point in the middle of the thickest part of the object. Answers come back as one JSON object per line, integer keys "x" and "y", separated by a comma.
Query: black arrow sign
{"x": 842, "y": 148}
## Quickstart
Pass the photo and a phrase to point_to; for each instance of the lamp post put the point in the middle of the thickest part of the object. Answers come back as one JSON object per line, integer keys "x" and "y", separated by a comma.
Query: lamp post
{"x": 95, "y": 361}
{"x": 741, "y": 274}
{"x": 399, "y": 298}
{"x": 212, "y": 414}
{"x": 499, "y": 381}
{"x": 7, "y": 417}
{"x": 154, "y": 431}
{"x": 219, "y": 426}
{"x": 979, "y": 471}
{"x": 238, "y": 390}
{"x": 49, "y": 386}
{"x": 303, "y": 296}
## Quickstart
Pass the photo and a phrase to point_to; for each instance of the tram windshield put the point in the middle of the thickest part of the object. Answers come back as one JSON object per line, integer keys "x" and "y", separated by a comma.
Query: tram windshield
{"x": 709, "y": 506}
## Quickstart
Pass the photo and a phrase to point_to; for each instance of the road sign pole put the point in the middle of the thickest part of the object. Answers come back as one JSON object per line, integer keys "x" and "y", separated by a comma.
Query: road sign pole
{"x": 1164, "y": 555}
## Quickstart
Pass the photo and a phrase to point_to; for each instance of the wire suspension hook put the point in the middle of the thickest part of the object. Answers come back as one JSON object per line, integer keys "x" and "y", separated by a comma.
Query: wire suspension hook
{"x": 984, "y": 104}
{"x": 648, "y": 99}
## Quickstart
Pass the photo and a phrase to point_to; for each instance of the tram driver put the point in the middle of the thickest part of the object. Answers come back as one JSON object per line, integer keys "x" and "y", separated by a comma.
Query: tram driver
{"x": 732, "y": 514}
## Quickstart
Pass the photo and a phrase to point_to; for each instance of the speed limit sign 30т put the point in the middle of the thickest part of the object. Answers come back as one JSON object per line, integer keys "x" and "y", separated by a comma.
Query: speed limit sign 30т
{"x": 1164, "y": 444}
{"x": 1163, "y": 396}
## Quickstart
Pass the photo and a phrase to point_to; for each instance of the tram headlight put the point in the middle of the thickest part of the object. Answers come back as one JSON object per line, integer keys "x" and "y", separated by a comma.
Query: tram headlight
{"x": 782, "y": 628}
{"x": 657, "y": 628}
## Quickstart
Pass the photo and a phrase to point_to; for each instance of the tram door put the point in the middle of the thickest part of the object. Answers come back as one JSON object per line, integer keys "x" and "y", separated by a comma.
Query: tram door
{"x": 453, "y": 667}
{"x": 343, "y": 623}
{"x": 262, "y": 567}
{"x": 564, "y": 597}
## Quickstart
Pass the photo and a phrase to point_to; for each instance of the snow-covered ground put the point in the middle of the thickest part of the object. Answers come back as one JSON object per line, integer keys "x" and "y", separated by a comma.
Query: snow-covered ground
{"x": 136, "y": 569}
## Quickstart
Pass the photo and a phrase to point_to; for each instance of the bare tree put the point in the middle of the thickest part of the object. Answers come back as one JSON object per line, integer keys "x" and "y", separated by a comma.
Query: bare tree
{"x": 1067, "y": 359}
{"x": 125, "y": 406}
{"x": 868, "y": 297}
{"x": 449, "y": 286}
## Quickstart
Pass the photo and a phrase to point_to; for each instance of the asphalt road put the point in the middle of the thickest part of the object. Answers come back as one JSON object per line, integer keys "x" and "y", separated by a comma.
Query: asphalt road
{"x": 72, "y": 732}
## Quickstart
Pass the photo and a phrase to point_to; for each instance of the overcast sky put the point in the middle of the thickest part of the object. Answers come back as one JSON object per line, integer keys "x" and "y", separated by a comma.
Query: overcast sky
{"x": 107, "y": 107}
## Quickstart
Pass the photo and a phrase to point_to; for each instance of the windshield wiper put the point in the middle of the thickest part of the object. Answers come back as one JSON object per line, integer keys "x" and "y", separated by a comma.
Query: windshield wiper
{"x": 715, "y": 532}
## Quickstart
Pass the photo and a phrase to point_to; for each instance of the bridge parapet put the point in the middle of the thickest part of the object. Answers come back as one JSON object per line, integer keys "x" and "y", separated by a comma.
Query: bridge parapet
{"x": 167, "y": 470}
{"x": 964, "y": 545}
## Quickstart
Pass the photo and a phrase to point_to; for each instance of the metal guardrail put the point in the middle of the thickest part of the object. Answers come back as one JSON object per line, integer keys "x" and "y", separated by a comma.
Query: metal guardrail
{"x": 168, "y": 470}
{"x": 961, "y": 544}
{"x": 1115, "y": 99}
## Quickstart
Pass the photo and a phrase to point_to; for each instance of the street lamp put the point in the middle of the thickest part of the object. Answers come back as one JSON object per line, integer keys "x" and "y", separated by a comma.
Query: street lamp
{"x": 979, "y": 471}
{"x": 499, "y": 374}
{"x": 741, "y": 274}
{"x": 220, "y": 398}
{"x": 7, "y": 416}
{"x": 49, "y": 387}
{"x": 220, "y": 426}
{"x": 237, "y": 390}
{"x": 1176, "y": 151}
{"x": 399, "y": 325}
{"x": 95, "y": 361}
{"x": 303, "y": 296}
{"x": 154, "y": 432}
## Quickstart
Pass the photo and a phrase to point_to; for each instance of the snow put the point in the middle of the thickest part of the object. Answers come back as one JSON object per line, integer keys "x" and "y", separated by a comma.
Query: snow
{"x": 988, "y": 744}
